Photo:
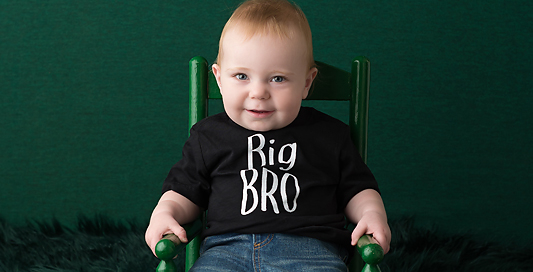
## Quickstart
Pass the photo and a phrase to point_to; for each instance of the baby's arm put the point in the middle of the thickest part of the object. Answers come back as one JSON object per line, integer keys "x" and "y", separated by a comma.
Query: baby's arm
{"x": 172, "y": 210}
{"x": 367, "y": 210}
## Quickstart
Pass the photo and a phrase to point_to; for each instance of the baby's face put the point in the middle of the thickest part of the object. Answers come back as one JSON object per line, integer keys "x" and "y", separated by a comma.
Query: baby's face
{"x": 263, "y": 79}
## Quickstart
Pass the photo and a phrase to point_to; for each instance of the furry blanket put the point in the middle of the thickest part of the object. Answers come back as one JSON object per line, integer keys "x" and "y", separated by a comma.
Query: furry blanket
{"x": 101, "y": 244}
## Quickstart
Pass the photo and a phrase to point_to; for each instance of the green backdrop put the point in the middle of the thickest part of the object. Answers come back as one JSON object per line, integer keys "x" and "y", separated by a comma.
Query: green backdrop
{"x": 93, "y": 103}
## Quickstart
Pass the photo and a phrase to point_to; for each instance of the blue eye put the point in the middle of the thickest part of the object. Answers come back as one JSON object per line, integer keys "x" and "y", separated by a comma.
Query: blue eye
{"x": 278, "y": 79}
{"x": 241, "y": 76}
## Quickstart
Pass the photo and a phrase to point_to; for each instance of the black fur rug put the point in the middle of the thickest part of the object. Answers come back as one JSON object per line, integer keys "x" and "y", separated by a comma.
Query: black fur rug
{"x": 101, "y": 244}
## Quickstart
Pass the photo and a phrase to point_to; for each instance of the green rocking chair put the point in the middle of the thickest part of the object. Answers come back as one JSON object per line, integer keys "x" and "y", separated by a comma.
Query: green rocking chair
{"x": 331, "y": 84}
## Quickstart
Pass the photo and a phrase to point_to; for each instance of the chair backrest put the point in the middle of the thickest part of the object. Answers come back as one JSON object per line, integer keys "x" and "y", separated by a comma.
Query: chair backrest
{"x": 331, "y": 84}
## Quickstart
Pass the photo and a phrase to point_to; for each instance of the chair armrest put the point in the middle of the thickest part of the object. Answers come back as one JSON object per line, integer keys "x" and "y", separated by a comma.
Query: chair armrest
{"x": 371, "y": 253}
{"x": 170, "y": 245}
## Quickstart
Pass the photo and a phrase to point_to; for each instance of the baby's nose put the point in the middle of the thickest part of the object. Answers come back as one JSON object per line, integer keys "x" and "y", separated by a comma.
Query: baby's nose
{"x": 259, "y": 91}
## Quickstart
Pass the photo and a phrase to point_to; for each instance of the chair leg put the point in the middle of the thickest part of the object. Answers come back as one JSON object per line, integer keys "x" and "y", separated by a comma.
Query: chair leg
{"x": 166, "y": 266}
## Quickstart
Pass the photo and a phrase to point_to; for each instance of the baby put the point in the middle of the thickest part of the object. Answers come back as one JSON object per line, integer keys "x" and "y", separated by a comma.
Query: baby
{"x": 276, "y": 178}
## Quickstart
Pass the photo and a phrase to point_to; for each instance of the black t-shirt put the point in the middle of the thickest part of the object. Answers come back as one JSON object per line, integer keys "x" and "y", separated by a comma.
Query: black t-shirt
{"x": 295, "y": 180}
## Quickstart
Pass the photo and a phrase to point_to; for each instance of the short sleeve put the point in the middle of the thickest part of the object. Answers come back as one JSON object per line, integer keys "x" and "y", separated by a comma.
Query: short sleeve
{"x": 355, "y": 176}
{"x": 189, "y": 177}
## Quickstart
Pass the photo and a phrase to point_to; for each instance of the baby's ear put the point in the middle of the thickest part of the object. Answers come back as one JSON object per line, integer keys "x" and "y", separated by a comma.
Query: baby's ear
{"x": 216, "y": 72}
{"x": 309, "y": 80}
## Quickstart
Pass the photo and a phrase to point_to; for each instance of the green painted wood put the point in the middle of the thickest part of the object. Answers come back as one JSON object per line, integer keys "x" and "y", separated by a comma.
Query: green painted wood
{"x": 359, "y": 101}
{"x": 192, "y": 252}
{"x": 166, "y": 266}
{"x": 198, "y": 84}
{"x": 331, "y": 83}
{"x": 371, "y": 253}
{"x": 165, "y": 250}
{"x": 198, "y": 78}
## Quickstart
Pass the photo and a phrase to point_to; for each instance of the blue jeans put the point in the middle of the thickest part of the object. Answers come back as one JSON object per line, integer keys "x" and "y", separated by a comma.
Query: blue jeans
{"x": 269, "y": 252}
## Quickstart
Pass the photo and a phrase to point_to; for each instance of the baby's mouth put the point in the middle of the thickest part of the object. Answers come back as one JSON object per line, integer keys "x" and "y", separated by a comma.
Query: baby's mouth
{"x": 260, "y": 113}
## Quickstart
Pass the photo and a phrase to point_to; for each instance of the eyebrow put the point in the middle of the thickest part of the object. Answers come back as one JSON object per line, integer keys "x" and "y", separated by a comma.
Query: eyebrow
{"x": 235, "y": 69}
{"x": 283, "y": 72}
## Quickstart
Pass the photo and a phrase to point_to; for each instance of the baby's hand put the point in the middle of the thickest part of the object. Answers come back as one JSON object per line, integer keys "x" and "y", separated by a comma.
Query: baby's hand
{"x": 373, "y": 223}
{"x": 171, "y": 209}
{"x": 161, "y": 224}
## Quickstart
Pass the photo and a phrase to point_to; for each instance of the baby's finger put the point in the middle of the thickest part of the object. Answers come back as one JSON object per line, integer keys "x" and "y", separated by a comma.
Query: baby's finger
{"x": 152, "y": 242}
{"x": 359, "y": 231}
{"x": 180, "y": 232}
{"x": 382, "y": 240}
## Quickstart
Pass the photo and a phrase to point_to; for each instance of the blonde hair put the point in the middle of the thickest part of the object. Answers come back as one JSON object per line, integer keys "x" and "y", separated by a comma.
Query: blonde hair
{"x": 270, "y": 17}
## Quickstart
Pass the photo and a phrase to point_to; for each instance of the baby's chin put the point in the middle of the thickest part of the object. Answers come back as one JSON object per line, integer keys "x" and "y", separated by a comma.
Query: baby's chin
{"x": 258, "y": 127}
{"x": 272, "y": 121}
{"x": 262, "y": 127}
